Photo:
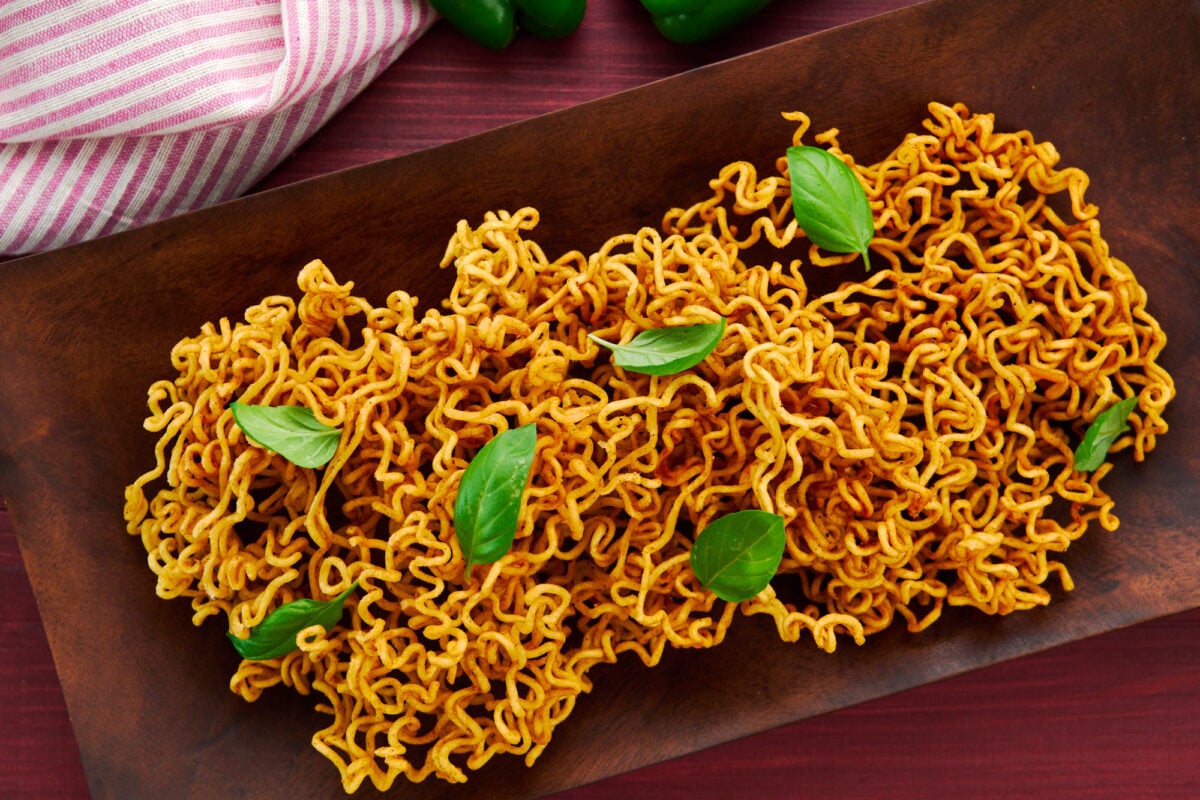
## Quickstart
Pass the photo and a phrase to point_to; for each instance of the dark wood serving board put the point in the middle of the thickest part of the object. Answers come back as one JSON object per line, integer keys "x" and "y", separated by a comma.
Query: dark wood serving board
{"x": 84, "y": 330}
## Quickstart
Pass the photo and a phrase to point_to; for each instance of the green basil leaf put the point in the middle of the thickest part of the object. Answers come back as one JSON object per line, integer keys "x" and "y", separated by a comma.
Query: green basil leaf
{"x": 276, "y": 635}
{"x": 736, "y": 556}
{"x": 291, "y": 431}
{"x": 666, "y": 351}
{"x": 829, "y": 202}
{"x": 488, "y": 505}
{"x": 1100, "y": 435}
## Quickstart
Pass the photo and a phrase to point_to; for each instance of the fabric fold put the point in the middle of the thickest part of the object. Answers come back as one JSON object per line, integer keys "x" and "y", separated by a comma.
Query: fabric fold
{"x": 116, "y": 113}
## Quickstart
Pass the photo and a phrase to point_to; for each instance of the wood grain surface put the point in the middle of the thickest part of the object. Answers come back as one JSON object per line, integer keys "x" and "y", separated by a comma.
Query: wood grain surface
{"x": 1106, "y": 716}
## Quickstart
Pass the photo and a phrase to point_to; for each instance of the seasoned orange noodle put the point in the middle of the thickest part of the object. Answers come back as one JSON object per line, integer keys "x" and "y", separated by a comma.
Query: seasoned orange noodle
{"x": 913, "y": 426}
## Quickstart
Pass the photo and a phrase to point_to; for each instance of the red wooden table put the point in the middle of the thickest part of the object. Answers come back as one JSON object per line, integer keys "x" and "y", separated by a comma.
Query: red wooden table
{"x": 1111, "y": 716}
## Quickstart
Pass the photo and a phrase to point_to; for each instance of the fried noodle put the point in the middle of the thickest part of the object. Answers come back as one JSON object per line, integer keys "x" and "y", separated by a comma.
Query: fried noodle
{"x": 913, "y": 427}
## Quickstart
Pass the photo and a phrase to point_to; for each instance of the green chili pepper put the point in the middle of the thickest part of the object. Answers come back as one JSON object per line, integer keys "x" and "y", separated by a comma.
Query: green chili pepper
{"x": 671, "y": 7}
{"x": 550, "y": 19}
{"x": 491, "y": 23}
{"x": 712, "y": 19}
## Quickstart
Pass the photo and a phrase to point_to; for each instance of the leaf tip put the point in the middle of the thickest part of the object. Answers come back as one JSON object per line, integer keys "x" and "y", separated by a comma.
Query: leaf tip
{"x": 239, "y": 644}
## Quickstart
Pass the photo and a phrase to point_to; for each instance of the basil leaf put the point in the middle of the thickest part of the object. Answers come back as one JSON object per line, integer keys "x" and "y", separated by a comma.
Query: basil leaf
{"x": 276, "y": 635}
{"x": 736, "y": 556}
{"x": 666, "y": 351}
{"x": 291, "y": 431}
{"x": 489, "y": 496}
{"x": 1100, "y": 435}
{"x": 829, "y": 202}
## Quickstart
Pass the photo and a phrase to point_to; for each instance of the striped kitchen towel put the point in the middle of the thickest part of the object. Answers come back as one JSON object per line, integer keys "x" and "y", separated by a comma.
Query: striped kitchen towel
{"x": 115, "y": 113}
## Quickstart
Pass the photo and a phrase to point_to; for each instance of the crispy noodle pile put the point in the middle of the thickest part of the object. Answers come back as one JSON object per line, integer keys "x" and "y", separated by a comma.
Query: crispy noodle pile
{"x": 914, "y": 428}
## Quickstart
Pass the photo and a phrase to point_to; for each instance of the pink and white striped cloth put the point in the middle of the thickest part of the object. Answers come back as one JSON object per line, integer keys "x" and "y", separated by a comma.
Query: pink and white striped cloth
{"x": 115, "y": 113}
